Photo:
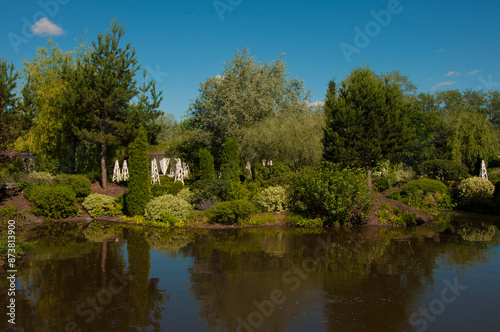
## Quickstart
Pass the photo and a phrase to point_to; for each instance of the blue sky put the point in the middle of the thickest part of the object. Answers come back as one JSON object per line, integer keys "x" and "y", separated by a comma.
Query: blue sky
{"x": 438, "y": 44}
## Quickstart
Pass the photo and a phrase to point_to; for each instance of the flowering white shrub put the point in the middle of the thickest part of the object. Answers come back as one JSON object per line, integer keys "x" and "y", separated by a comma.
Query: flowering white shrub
{"x": 273, "y": 199}
{"x": 475, "y": 190}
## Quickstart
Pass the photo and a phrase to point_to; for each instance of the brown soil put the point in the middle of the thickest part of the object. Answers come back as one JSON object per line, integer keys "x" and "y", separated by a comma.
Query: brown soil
{"x": 113, "y": 189}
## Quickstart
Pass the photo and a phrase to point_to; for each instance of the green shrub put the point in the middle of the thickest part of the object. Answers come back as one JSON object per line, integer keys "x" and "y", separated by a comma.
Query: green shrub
{"x": 475, "y": 191}
{"x": 300, "y": 221}
{"x": 396, "y": 195}
{"x": 54, "y": 201}
{"x": 185, "y": 194}
{"x": 98, "y": 205}
{"x": 231, "y": 212}
{"x": 80, "y": 183}
{"x": 395, "y": 216}
{"x": 333, "y": 194}
{"x": 172, "y": 188}
{"x": 139, "y": 186}
{"x": 387, "y": 175}
{"x": 425, "y": 185}
{"x": 207, "y": 170}
{"x": 164, "y": 207}
{"x": 141, "y": 220}
{"x": 445, "y": 170}
{"x": 273, "y": 199}
{"x": 262, "y": 219}
{"x": 204, "y": 190}
{"x": 230, "y": 163}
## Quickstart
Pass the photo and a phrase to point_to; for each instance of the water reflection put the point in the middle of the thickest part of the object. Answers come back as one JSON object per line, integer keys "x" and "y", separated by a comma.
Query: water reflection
{"x": 96, "y": 277}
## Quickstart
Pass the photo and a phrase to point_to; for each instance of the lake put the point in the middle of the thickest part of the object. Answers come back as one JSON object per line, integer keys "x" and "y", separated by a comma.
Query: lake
{"x": 109, "y": 277}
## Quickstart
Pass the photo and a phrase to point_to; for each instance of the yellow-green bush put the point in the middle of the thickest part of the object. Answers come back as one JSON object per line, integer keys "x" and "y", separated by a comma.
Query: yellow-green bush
{"x": 164, "y": 207}
{"x": 273, "y": 199}
{"x": 475, "y": 191}
{"x": 98, "y": 205}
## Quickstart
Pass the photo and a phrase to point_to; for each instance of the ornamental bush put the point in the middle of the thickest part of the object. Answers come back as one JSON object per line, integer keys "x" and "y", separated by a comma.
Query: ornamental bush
{"x": 98, "y": 205}
{"x": 426, "y": 186}
{"x": 273, "y": 199}
{"x": 164, "y": 207}
{"x": 334, "y": 194}
{"x": 54, "y": 201}
{"x": 231, "y": 212}
{"x": 446, "y": 170}
{"x": 207, "y": 170}
{"x": 185, "y": 194}
{"x": 80, "y": 183}
{"x": 204, "y": 190}
{"x": 475, "y": 191}
{"x": 139, "y": 186}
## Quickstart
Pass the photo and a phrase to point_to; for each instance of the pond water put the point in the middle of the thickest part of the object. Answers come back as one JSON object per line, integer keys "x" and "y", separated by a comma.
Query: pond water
{"x": 97, "y": 277}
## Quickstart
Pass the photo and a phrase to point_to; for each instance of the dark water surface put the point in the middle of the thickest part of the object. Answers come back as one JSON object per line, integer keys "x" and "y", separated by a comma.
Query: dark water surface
{"x": 96, "y": 277}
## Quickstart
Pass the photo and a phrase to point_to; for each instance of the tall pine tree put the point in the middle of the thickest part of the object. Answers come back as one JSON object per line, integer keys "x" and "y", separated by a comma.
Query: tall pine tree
{"x": 367, "y": 120}
{"x": 102, "y": 86}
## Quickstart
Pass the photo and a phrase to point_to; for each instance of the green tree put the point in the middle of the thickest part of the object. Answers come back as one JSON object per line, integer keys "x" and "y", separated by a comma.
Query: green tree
{"x": 294, "y": 140}
{"x": 207, "y": 170}
{"x": 43, "y": 91}
{"x": 139, "y": 186}
{"x": 8, "y": 101}
{"x": 102, "y": 86}
{"x": 472, "y": 139}
{"x": 367, "y": 120}
{"x": 244, "y": 94}
{"x": 230, "y": 163}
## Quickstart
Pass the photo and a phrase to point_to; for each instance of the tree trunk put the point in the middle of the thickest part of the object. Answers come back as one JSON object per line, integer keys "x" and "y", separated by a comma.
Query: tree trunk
{"x": 369, "y": 173}
{"x": 104, "y": 183}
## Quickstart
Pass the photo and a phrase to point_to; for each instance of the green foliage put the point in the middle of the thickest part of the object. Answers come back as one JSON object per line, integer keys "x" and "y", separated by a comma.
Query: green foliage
{"x": 141, "y": 220}
{"x": 54, "y": 201}
{"x": 207, "y": 170}
{"x": 445, "y": 170}
{"x": 426, "y": 186}
{"x": 166, "y": 207}
{"x": 300, "y": 221}
{"x": 475, "y": 192}
{"x": 244, "y": 94}
{"x": 80, "y": 183}
{"x": 230, "y": 162}
{"x": 231, "y": 212}
{"x": 172, "y": 188}
{"x": 335, "y": 194}
{"x": 210, "y": 190}
{"x": 387, "y": 175}
{"x": 272, "y": 139}
{"x": 139, "y": 186}
{"x": 367, "y": 120}
{"x": 395, "y": 216}
{"x": 185, "y": 194}
{"x": 273, "y": 199}
{"x": 258, "y": 219}
{"x": 98, "y": 205}
{"x": 396, "y": 195}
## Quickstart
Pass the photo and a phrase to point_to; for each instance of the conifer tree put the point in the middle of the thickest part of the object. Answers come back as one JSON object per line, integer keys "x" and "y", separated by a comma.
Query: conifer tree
{"x": 207, "y": 170}
{"x": 102, "y": 86}
{"x": 139, "y": 186}
{"x": 230, "y": 163}
{"x": 367, "y": 119}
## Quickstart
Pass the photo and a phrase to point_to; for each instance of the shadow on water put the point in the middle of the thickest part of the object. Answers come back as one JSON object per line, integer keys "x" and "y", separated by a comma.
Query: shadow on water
{"x": 103, "y": 277}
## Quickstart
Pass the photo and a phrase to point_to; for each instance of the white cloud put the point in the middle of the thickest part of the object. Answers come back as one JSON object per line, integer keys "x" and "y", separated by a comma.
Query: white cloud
{"x": 44, "y": 27}
{"x": 474, "y": 72}
{"x": 440, "y": 84}
{"x": 452, "y": 73}
{"x": 440, "y": 50}
{"x": 317, "y": 104}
